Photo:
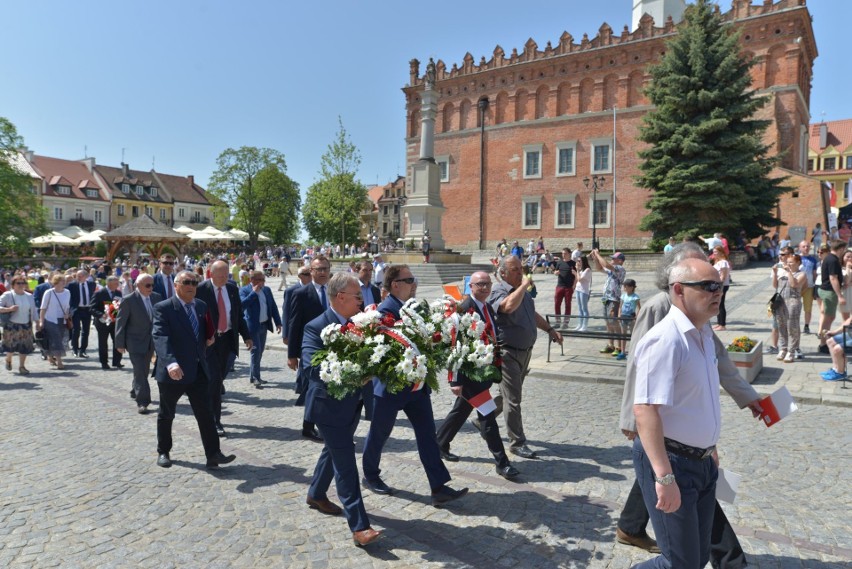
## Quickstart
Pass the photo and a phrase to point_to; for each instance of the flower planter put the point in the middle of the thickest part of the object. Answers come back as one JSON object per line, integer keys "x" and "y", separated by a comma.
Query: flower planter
{"x": 750, "y": 363}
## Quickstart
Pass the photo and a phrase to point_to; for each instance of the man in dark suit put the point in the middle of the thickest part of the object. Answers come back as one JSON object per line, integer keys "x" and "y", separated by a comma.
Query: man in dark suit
{"x": 223, "y": 300}
{"x": 304, "y": 276}
{"x": 370, "y": 296}
{"x": 82, "y": 291}
{"x": 337, "y": 419}
{"x": 180, "y": 332}
{"x": 163, "y": 284}
{"x": 260, "y": 313}
{"x": 306, "y": 304}
{"x": 466, "y": 389}
{"x": 99, "y": 307}
{"x": 414, "y": 401}
{"x": 133, "y": 328}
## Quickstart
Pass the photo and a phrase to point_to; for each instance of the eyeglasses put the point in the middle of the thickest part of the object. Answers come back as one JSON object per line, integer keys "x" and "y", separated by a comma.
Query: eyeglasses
{"x": 409, "y": 280}
{"x": 189, "y": 282}
{"x": 147, "y": 285}
{"x": 304, "y": 274}
{"x": 167, "y": 262}
{"x": 707, "y": 286}
{"x": 320, "y": 269}
{"x": 18, "y": 283}
{"x": 486, "y": 284}
{"x": 359, "y": 296}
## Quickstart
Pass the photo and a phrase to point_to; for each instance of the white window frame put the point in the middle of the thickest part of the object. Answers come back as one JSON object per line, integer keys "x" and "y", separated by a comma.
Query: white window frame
{"x": 153, "y": 192}
{"x": 601, "y": 196}
{"x": 528, "y": 149}
{"x": 121, "y": 209}
{"x": 140, "y": 190}
{"x": 63, "y": 190}
{"x": 78, "y": 213}
{"x": 98, "y": 216}
{"x": 90, "y": 193}
{"x": 149, "y": 211}
{"x": 443, "y": 163}
{"x": 568, "y": 145}
{"x": 162, "y": 214}
{"x": 847, "y": 162}
{"x": 559, "y": 198}
{"x": 181, "y": 213}
{"x": 58, "y": 213}
{"x": 530, "y": 200}
{"x": 134, "y": 210}
{"x": 125, "y": 188}
{"x": 596, "y": 143}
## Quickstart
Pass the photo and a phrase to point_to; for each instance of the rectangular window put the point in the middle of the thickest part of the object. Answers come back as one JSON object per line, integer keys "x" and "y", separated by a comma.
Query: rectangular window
{"x": 135, "y": 211}
{"x": 443, "y": 167}
{"x": 63, "y": 190}
{"x": 121, "y": 209}
{"x": 810, "y": 165}
{"x": 829, "y": 163}
{"x": 384, "y": 228}
{"x": 149, "y": 211}
{"x": 601, "y": 158}
{"x": 162, "y": 214}
{"x": 565, "y": 158}
{"x": 154, "y": 192}
{"x": 91, "y": 193}
{"x": 599, "y": 213}
{"x": 78, "y": 213}
{"x": 532, "y": 161}
{"x": 181, "y": 213}
{"x": 531, "y": 213}
{"x": 849, "y": 162}
{"x": 396, "y": 210}
{"x": 125, "y": 188}
{"x": 140, "y": 190}
{"x": 385, "y": 210}
{"x": 99, "y": 216}
{"x": 57, "y": 213}
{"x": 564, "y": 212}
{"x": 846, "y": 191}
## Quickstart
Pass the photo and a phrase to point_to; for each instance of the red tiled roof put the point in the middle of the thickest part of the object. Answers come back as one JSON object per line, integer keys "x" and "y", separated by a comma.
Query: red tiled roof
{"x": 183, "y": 189}
{"x": 67, "y": 173}
{"x": 114, "y": 177}
{"x": 839, "y": 136}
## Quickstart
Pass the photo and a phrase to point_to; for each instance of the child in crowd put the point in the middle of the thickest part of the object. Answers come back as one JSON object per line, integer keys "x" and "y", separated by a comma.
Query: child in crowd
{"x": 627, "y": 311}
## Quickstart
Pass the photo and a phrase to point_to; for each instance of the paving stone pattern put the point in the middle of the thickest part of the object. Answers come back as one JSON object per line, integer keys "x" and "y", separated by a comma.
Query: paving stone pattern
{"x": 79, "y": 486}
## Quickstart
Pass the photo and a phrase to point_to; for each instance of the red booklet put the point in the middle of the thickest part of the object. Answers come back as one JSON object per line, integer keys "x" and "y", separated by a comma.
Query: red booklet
{"x": 777, "y": 406}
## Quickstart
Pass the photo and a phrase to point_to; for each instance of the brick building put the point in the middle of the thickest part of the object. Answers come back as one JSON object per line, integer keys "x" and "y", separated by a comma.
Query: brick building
{"x": 526, "y": 128}
{"x": 830, "y": 157}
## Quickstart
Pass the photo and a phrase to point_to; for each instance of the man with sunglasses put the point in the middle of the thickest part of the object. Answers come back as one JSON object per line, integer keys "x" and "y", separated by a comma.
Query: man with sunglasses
{"x": 133, "y": 328}
{"x": 163, "y": 284}
{"x": 181, "y": 340}
{"x": 414, "y": 401}
{"x": 306, "y": 304}
{"x": 725, "y": 549}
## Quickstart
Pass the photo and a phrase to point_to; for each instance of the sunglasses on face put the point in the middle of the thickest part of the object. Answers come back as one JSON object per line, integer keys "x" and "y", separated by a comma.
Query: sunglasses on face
{"x": 409, "y": 280}
{"x": 706, "y": 286}
{"x": 147, "y": 285}
{"x": 481, "y": 285}
{"x": 189, "y": 282}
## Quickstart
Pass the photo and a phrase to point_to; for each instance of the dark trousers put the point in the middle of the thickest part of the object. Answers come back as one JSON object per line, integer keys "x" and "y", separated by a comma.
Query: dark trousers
{"x": 104, "y": 334}
{"x": 199, "y": 400}
{"x": 489, "y": 430}
{"x": 725, "y": 549}
{"x": 338, "y": 459}
{"x": 683, "y": 535}
{"x": 141, "y": 363}
{"x": 217, "y": 363}
{"x": 722, "y": 319}
{"x": 417, "y": 406}
{"x": 82, "y": 320}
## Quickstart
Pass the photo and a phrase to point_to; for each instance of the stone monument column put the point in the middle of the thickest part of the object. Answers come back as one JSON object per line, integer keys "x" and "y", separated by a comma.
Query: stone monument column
{"x": 424, "y": 207}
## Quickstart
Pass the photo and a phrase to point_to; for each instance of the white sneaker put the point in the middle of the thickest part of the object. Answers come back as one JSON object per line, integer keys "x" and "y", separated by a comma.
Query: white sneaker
{"x": 790, "y": 358}
{"x": 781, "y": 355}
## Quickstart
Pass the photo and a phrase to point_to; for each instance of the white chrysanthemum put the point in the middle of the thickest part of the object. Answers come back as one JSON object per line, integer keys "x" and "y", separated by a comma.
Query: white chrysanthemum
{"x": 367, "y": 318}
{"x": 329, "y": 333}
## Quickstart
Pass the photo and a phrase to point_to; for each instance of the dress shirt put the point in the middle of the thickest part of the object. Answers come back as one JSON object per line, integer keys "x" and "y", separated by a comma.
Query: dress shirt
{"x": 367, "y": 294}
{"x": 147, "y": 301}
{"x": 516, "y": 329}
{"x": 264, "y": 311}
{"x": 676, "y": 368}
{"x": 226, "y": 299}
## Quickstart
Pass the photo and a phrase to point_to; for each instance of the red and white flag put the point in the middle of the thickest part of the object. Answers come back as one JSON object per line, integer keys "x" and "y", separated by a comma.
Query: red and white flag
{"x": 777, "y": 406}
{"x": 483, "y": 402}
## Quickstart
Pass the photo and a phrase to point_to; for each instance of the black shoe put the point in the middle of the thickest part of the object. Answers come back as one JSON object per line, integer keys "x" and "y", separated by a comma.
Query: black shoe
{"x": 445, "y": 494}
{"x": 262, "y": 381}
{"x": 83, "y": 355}
{"x": 523, "y": 451}
{"x": 508, "y": 472}
{"x": 76, "y": 353}
{"x": 806, "y": 330}
{"x": 256, "y": 384}
{"x": 142, "y": 409}
{"x": 449, "y": 457}
{"x": 132, "y": 394}
{"x": 118, "y": 366}
{"x": 164, "y": 460}
{"x": 823, "y": 349}
{"x": 220, "y": 459}
{"x": 104, "y": 366}
{"x": 220, "y": 430}
{"x": 377, "y": 486}
{"x": 312, "y": 435}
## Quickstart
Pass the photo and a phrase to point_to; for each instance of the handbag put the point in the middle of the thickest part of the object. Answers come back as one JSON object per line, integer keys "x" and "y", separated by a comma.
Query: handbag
{"x": 69, "y": 323}
{"x": 775, "y": 303}
{"x": 6, "y": 317}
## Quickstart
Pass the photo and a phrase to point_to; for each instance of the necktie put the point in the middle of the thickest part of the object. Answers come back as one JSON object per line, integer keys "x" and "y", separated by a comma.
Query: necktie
{"x": 168, "y": 286}
{"x": 223, "y": 318}
{"x": 148, "y": 308}
{"x": 323, "y": 298}
{"x": 84, "y": 289}
{"x": 488, "y": 324}
{"x": 190, "y": 312}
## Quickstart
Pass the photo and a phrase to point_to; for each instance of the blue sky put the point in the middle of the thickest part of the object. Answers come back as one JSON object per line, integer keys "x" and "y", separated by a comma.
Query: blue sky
{"x": 180, "y": 81}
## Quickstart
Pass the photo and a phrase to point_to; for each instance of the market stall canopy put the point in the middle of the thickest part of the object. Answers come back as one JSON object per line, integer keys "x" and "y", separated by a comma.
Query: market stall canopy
{"x": 184, "y": 229}
{"x": 72, "y": 231}
{"x": 202, "y": 236}
{"x": 262, "y": 237}
{"x": 144, "y": 231}
{"x": 52, "y": 238}
{"x": 211, "y": 230}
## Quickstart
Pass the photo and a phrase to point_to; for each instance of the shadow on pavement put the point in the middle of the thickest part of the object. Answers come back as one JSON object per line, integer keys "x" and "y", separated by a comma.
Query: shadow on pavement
{"x": 19, "y": 385}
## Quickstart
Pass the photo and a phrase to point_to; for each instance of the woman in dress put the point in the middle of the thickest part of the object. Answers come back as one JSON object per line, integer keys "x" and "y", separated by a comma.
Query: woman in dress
{"x": 723, "y": 267}
{"x": 55, "y": 309}
{"x": 18, "y": 332}
{"x": 582, "y": 290}
{"x": 788, "y": 279}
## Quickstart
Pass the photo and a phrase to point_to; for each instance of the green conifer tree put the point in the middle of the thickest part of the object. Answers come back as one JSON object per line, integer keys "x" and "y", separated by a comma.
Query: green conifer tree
{"x": 706, "y": 164}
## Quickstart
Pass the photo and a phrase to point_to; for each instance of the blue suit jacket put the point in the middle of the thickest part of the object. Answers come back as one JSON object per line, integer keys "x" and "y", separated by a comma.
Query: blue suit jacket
{"x": 392, "y": 305}
{"x": 175, "y": 341}
{"x": 304, "y": 306}
{"x": 251, "y": 308}
{"x": 286, "y": 310}
{"x": 160, "y": 286}
{"x": 38, "y": 293}
{"x": 320, "y": 407}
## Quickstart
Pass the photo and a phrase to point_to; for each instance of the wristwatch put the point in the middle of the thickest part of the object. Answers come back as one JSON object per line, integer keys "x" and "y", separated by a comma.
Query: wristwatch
{"x": 665, "y": 480}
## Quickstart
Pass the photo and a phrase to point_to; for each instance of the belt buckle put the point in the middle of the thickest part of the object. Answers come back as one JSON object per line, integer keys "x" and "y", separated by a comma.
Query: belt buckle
{"x": 708, "y": 452}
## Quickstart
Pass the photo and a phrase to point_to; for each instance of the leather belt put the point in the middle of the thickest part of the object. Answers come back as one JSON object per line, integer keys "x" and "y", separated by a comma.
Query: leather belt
{"x": 695, "y": 453}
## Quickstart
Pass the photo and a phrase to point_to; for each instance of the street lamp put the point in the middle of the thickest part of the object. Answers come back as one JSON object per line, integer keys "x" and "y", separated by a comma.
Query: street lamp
{"x": 596, "y": 182}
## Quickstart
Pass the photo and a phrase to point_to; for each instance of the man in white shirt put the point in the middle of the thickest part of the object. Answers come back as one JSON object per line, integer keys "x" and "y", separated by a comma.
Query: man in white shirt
{"x": 678, "y": 417}
{"x": 577, "y": 253}
{"x": 379, "y": 267}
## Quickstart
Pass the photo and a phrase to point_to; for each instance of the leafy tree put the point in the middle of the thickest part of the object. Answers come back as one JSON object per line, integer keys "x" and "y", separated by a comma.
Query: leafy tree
{"x": 334, "y": 203}
{"x": 245, "y": 182}
{"x": 21, "y": 214}
{"x": 706, "y": 164}
{"x": 278, "y": 219}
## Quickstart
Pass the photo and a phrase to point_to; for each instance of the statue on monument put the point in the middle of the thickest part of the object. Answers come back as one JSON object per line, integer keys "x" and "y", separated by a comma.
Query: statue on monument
{"x": 430, "y": 74}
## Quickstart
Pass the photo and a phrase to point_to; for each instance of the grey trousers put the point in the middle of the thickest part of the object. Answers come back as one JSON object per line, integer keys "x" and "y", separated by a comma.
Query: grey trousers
{"x": 515, "y": 368}
{"x": 141, "y": 363}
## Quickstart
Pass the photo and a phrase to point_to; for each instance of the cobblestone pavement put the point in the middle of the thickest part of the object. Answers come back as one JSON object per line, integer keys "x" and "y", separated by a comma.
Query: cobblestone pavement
{"x": 80, "y": 487}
